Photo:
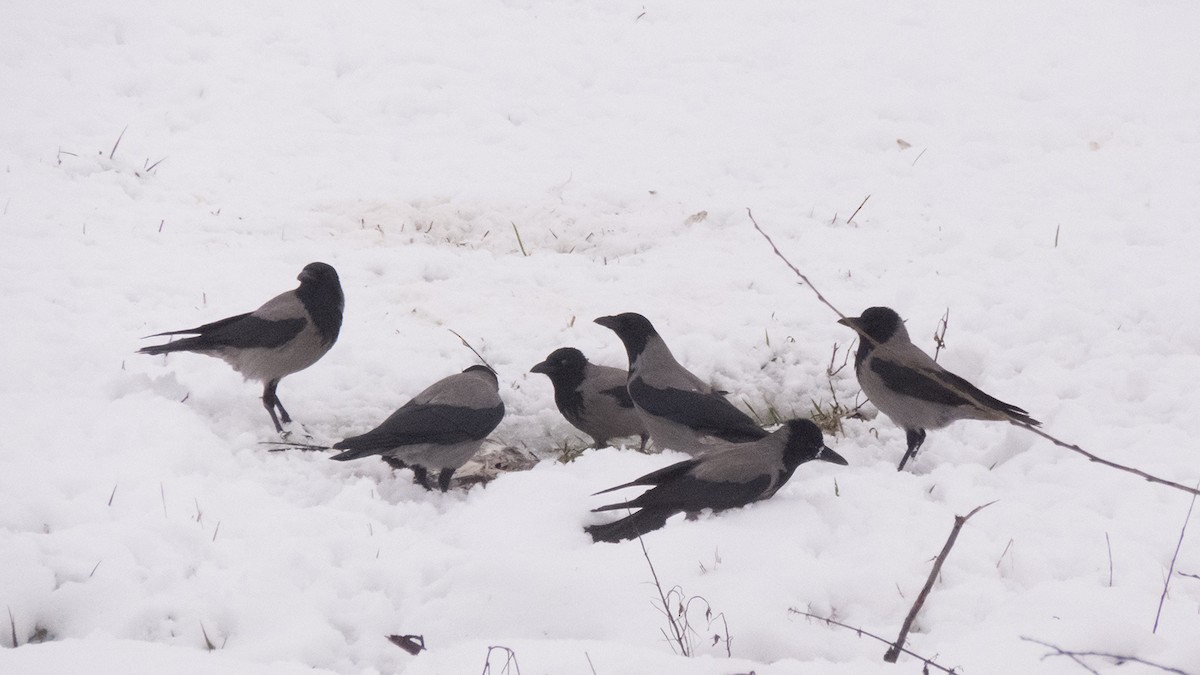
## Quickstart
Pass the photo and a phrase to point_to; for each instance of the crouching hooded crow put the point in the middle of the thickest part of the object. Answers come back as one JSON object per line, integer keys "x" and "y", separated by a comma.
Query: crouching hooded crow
{"x": 681, "y": 411}
{"x": 438, "y": 430}
{"x": 289, "y": 333}
{"x": 725, "y": 477}
{"x": 909, "y": 387}
{"x": 593, "y": 398}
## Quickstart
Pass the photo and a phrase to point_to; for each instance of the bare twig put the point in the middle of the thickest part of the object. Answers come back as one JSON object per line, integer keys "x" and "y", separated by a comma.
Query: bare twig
{"x": 969, "y": 396}
{"x": 894, "y": 652}
{"x": 589, "y": 660}
{"x": 1105, "y": 462}
{"x": 864, "y": 203}
{"x": 509, "y": 661}
{"x": 793, "y": 267}
{"x": 468, "y": 346}
{"x": 1118, "y": 659}
{"x": 927, "y": 661}
{"x": 1171, "y": 569}
{"x": 831, "y": 370}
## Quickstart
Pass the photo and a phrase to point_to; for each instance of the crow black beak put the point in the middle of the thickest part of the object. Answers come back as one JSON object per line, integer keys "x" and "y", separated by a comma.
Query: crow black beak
{"x": 609, "y": 322}
{"x": 850, "y": 322}
{"x": 827, "y": 455}
{"x": 543, "y": 368}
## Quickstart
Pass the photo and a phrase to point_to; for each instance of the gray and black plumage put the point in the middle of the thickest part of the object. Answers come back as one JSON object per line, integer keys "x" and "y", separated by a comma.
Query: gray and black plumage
{"x": 909, "y": 387}
{"x": 438, "y": 430}
{"x": 289, "y": 333}
{"x": 681, "y": 411}
{"x": 593, "y": 398}
{"x": 727, "y": 476}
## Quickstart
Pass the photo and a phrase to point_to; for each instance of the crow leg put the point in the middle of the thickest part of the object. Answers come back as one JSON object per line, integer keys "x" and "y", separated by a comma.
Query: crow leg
{"x": 915, "y": 438}
{"x": 444, "y": 479}
{"x": 271, "y": 401}
{"x": 421, "y": 476}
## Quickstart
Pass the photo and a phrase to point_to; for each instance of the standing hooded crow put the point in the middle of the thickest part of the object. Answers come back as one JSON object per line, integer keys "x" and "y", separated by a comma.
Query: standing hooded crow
{"x": 592, "y": 398}
{"x": 911, "y": 388}
{"x": 438, "y": 430}
{"x": 727, "y": 476}
{"x": 289, "y": 333}
{"x": 680, "y": 410}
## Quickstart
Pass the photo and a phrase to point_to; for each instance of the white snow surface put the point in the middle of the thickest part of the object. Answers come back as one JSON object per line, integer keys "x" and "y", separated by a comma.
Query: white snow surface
{"x": 1046, "y": 192}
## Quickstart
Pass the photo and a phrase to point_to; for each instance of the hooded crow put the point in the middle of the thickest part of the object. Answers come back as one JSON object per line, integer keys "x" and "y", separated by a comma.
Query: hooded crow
{"x": 910, "y": 388}
{"x": 438, "y": 430}
{"x": 680, "y": 410}
{"x": 289, "y": 333}
{"x": 727, "y": 476}
{"x": 593, "y": 398}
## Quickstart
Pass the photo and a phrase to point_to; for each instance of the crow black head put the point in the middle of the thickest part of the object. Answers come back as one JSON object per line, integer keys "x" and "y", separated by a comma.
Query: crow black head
{"x": 633, "y": 329}
{"x": 321, "y": 292}
{"x": 805, "y": 443}
{"x": 877, "y": 323}
{"x": 319, "y": 273}
{"x": 563, "y": 366}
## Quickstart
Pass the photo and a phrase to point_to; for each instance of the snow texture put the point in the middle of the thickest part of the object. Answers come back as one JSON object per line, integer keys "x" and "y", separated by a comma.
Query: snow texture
{"x": 1031, "y": 166}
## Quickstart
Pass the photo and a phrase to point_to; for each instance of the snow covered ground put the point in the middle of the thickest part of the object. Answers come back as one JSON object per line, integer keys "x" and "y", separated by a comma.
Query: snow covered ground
{"x": 1045, "y": 192}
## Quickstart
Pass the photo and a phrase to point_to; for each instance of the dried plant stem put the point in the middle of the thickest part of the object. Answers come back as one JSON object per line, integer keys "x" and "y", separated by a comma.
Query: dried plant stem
{"x": 864, "y": 203}
{"x": 676, "y": 632}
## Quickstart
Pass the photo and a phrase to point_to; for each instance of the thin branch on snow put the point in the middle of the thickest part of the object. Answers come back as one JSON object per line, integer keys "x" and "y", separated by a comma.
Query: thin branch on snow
{"x": 864, "y": 203}
{"x": 967, "y": 395}
{"x": 894, "y": 652}
{"x": 468, "y": 346}
{"x": 1118, "y": 659}
{"x": 927, "y": 661}
{"x": 1171, "y": 569}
